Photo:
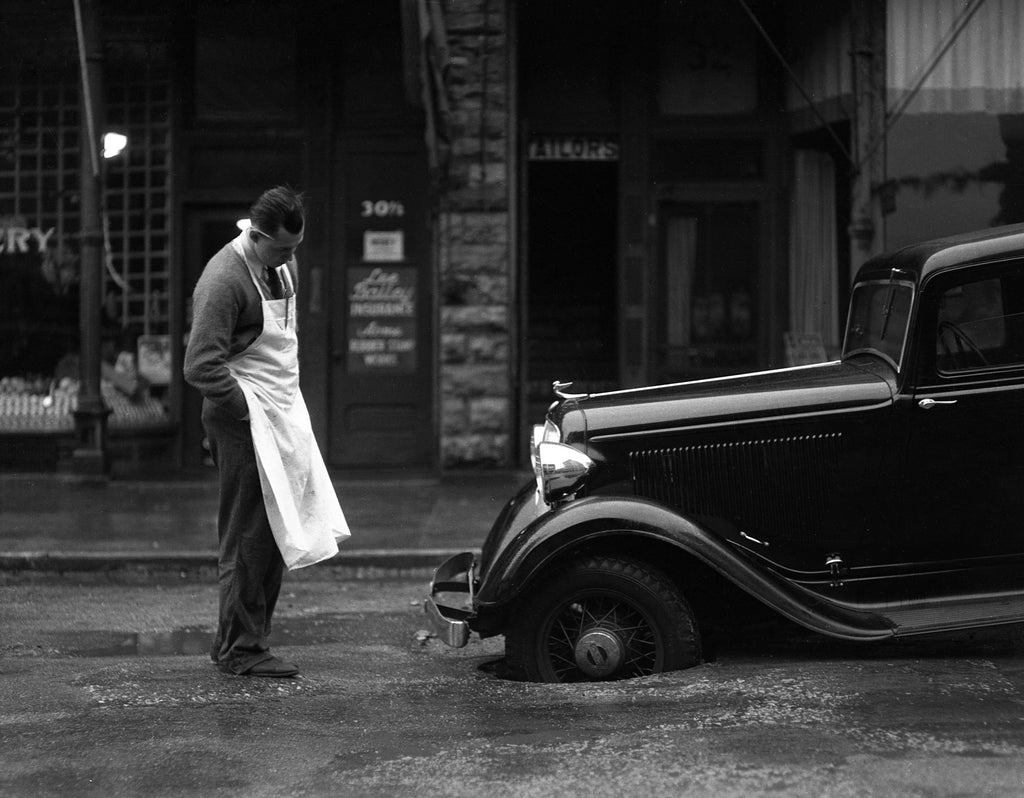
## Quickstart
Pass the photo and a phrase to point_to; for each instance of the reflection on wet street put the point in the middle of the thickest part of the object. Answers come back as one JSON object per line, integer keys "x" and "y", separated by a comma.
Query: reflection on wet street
{"x": 107, "y": 689}
{"x": 305, "y": 631}
{"x": 114, "y": 644}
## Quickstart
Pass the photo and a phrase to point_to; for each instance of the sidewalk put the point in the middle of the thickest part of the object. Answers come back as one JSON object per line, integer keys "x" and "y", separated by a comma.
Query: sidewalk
{"x": 48, "y": 522}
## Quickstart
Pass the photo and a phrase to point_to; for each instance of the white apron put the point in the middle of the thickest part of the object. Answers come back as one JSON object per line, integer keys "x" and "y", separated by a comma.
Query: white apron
{"x": 303, "y": 509}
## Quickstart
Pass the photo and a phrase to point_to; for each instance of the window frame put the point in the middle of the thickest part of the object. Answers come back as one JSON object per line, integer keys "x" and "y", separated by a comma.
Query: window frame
{"x": 900, "y": 364}
{"x": 928, "y": 371}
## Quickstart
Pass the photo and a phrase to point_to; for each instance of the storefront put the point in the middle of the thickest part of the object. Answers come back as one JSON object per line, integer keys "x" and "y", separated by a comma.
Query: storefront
{"x": 501, "y": 195}
{"x": 217, "y": 102}
{"x": 703, "y": 179}
{"x": 652, "y": 159}
{"x": 40, "y": 252}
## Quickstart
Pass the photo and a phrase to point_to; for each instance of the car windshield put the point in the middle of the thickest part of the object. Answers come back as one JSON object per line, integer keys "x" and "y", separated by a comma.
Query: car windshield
{"x": 879, "y": 315}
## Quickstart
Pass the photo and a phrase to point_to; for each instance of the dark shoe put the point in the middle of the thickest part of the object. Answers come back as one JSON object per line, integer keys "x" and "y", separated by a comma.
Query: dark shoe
{"x": 273, "y": 667}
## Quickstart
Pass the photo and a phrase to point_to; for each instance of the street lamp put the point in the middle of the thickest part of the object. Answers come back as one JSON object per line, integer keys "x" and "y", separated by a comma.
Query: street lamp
{"x": 113, "y": 144}
{"x": 89, "y": 457}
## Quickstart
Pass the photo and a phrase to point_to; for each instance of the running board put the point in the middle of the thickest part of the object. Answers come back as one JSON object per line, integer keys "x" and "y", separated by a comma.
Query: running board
{"x": 931, "y": 617}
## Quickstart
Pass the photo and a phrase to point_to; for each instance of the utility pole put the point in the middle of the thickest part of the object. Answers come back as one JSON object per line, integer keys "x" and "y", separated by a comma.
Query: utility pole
{"x": 867, "y": 220}
{"x": 89, "y": 458}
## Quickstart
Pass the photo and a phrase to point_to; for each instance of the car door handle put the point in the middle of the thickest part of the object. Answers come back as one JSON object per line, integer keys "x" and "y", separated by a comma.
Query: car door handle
{"x": 928, "y": 404}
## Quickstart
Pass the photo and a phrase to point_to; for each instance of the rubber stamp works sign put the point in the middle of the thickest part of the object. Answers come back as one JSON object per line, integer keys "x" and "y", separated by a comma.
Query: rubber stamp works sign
{"x": 381, "y": 320}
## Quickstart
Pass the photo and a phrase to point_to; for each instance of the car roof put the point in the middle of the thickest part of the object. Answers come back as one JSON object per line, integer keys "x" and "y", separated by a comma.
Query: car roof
{"x": 919, "y": 261}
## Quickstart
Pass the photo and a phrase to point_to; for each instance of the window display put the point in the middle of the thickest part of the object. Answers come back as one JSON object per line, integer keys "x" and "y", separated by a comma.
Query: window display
{"x": 39, "y": 257}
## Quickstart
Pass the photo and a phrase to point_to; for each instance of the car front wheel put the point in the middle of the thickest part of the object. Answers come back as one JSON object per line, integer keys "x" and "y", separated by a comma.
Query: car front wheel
{"x": 601, "y": 618}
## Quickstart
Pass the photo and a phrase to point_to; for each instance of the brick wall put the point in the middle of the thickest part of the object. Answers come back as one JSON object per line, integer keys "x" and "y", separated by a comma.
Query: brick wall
{"x": 477, "y": 397}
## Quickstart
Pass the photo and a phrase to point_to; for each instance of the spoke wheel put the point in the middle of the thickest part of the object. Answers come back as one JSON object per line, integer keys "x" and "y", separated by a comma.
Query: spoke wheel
{"x": 602, "y": 618}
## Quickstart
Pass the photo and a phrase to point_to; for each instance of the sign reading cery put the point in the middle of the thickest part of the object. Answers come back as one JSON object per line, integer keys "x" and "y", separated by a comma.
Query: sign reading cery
{"x": 16, "y": 237}
{"x": 573, "y": 148}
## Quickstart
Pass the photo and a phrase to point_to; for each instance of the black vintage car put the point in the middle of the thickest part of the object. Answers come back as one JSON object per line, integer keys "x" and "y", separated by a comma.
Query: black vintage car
{"x": 877, "y": 496}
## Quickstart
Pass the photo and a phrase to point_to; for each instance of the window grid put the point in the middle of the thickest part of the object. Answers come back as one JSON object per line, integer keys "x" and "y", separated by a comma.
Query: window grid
{"x": 39, "y": 162}
{"x": 39, "y": 183}
{"x": 138, "y": 183}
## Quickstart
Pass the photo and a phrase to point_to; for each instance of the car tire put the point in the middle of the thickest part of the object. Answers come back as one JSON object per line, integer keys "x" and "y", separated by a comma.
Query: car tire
{"x": 601, "y": 618}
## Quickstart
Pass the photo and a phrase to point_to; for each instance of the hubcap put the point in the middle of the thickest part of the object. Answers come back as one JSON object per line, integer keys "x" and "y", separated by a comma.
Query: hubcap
{"x": 599, "y": 653}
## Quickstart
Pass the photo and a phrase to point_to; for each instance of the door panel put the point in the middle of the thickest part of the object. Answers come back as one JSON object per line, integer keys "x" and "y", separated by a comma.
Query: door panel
{"x": 382, "y": 384}
{"x": 571, "y": 312}
{"x": 965, "y": 422}
{"x": 965, "y": 472}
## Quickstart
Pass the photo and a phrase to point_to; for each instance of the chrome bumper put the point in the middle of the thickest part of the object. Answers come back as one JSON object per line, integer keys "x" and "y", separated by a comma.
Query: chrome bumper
{"x": 454, "y": 575}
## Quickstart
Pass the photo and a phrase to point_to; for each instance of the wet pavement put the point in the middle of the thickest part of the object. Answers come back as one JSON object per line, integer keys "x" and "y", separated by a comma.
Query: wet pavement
{"x": 106, "y": 688}
{"x": 49, "y": 522}
{"x": 105, "y": 691}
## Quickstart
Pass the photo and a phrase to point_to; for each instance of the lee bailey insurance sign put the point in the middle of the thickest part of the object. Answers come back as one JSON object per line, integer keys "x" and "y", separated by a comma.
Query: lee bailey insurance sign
{"x": 382, "y": 320}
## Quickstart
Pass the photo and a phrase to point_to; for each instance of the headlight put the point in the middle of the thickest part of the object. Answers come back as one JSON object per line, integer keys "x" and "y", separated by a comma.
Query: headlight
{"x": 541, "y": 433}
{"x": 560, "y": 469}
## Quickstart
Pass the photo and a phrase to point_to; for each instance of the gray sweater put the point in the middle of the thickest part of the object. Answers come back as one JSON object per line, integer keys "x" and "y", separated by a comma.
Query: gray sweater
{"x": 227, "y": 316}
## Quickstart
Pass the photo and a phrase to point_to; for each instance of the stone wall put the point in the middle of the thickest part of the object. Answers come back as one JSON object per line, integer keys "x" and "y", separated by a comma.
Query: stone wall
{"x": 477, "y": 397}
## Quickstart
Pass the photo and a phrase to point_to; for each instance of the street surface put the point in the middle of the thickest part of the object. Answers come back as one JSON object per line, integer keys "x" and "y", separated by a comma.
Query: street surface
{"x": 106, "y": 689}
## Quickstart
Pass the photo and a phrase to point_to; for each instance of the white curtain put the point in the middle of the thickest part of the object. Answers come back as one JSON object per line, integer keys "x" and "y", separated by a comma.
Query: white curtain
{"x": 680, "y": 261}
{"x": 813, "y": 263}
{"x": 983, "y": 69}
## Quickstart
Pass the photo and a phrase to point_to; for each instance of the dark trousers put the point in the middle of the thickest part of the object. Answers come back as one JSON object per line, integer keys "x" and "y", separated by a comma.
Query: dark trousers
{"x": 250, "y": 567}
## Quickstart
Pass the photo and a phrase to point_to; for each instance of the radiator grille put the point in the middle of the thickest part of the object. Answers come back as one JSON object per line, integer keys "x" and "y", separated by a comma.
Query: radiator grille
{"x": 780, "y": 487}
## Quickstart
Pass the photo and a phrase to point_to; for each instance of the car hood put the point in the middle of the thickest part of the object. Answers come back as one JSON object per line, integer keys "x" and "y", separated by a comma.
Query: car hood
{"x": 783, "y": 392}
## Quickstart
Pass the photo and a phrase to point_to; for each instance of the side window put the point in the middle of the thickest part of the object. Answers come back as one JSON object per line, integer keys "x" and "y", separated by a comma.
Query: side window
{"x": 980, "y": 324}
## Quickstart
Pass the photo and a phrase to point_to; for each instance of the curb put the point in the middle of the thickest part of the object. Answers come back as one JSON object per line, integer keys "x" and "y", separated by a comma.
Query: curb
{"x": 362, "y": 561}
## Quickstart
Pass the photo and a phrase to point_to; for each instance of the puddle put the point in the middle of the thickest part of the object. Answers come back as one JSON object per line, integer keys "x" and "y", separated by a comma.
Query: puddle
{"x": 123, "y": 644}
{"x": 313, "y": 630}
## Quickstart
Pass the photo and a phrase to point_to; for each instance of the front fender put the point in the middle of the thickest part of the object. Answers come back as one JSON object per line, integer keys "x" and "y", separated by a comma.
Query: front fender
{"x": 566, "y": 527}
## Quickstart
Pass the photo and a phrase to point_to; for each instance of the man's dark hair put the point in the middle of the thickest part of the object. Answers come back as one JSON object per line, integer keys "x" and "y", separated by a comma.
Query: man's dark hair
{"x": 276, "y": 208}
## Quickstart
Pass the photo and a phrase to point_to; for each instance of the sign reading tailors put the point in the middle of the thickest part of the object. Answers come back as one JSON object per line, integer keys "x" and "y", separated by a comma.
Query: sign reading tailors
{"x": 382, "y": 319}
{"x": 573, "y": 148}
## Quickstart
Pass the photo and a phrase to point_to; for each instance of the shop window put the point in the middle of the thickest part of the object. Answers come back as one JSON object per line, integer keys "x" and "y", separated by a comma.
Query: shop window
{"x": 706, "y": 300}
{"x": 707, "y": 60}
{"x": 572, "y": 307}
{"x": 39, "y": 250}
{"x": 139, "y": 181}
{"x": 39, "y": 226}
{"x": 245, "y": 62}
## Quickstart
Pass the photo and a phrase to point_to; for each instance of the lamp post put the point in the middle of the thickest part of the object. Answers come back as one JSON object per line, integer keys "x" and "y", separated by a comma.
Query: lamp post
{"x": 89, "y": 458}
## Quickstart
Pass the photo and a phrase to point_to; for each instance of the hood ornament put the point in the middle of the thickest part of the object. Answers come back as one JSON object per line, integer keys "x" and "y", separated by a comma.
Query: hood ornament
{"x": 560, "y": 389}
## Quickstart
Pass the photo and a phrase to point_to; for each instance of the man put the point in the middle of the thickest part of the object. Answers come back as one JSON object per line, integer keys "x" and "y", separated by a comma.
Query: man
{"x": 278, "y": 507}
